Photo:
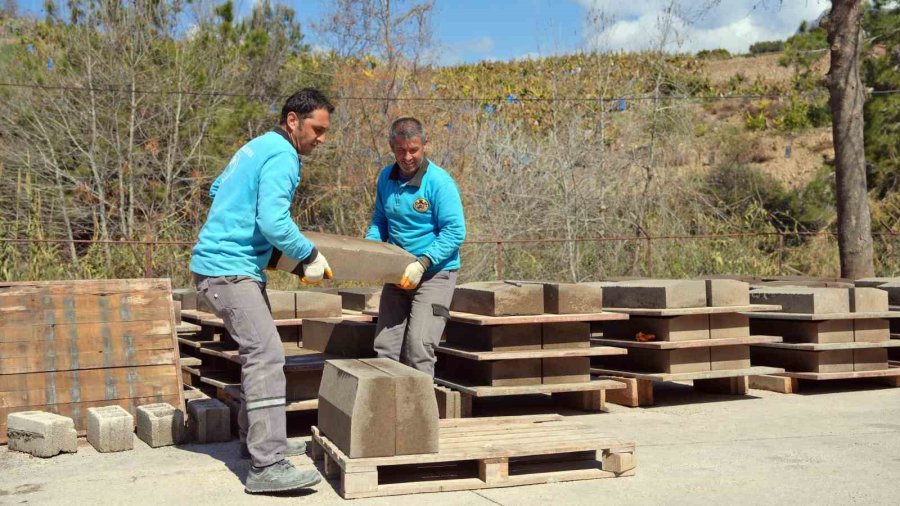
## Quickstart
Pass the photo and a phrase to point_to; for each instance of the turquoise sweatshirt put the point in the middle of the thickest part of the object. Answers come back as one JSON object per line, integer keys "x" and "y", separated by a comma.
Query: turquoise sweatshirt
{"x": 424, "y": 215}
{"x": 250, "y": 212}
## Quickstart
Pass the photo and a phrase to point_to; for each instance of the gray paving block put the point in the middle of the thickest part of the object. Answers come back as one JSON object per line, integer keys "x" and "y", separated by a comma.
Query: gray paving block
{"x": 572, "y": 298}
{"x": 160, "y": 424}
{"x": 283, "y": 304}
{"x": 343, "y": 338}
{"x": 209, "y": 421}
{"x": 41, "y": 434}
{"x": 318, "y": 304}
{"x": 727, "y": 292}
{"x": 499, "y": 298}
{"x": 864, "y": 300}
{"x": 875, "y": 282}
{"x": 893, "y": 290}
{"x": 804, "y": 300}
{"x": 656, "y": 294}
{"x": 187, "y": 297}
{"x": 110, "y": 429}
{"x": 360, "y": 299}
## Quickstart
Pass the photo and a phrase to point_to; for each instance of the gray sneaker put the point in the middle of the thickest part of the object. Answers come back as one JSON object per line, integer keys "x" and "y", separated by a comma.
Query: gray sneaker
{"x": 294, "y": 448}
{"x": 281, "y": 476}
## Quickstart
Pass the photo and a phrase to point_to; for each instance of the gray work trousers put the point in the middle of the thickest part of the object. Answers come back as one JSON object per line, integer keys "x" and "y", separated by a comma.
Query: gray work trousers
{"x": 410, "y": 322}
{"x": 241, "y": 302}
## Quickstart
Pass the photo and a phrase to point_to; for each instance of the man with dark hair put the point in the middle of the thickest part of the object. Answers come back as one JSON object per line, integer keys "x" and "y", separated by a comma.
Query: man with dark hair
{"x": 250, "y": 215}
{"x": 418, "y": 208}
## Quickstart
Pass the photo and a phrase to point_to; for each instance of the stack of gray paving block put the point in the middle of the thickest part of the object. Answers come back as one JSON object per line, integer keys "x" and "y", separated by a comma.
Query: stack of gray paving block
{"x": 41, "y": 434}
{"x": 804, "y": 300}
{"x": 378, "y": 408}
{"x": 499, "y": 298}
{"x": 160, "y": 424}
{"x": 209, "y": 421}
{"x": 110, "y": 429}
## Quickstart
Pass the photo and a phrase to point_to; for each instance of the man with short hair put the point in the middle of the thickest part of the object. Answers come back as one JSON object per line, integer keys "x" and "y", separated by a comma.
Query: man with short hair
{"x": 417, "y": 207}
{"x": 250, "y": 215}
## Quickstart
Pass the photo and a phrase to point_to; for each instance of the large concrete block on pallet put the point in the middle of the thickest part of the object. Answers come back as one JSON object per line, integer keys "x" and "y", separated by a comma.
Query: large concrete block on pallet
{"x": 110, "y": 429}
{"x": 572, "y": 298}
{"x": 870, "y": 359}
{"x": 352, "y": 259}
{"x": 526, "y": 336}
{"x": 728, "y": 325}
{"x": 893, "y": 290}
{"x": 187, "y": 297}
{"x": 724, "y": 358}
{"x": 282, "y": 304}
{"x": 417, "y": 410}
{"x": 566, "y": 335}
{"x": 209, "y": 421}
{"x": 666, "y": 328}
{"x": 489, "y": 373}
{"x": 656, "y": 294}
{"x": 804, "y": 300}
{"x": 343, "y": 338}
{"x": 160, "y": 424}
{"x": 361, "y": 299}
{"x": 372, "y": 408}
{"x": 318, "y": 304}
{"x": 802, "y": 360}
{"x": 866, "y": 300}
{"x": 873, "y": 330}
{"x": 727, "y": 292}
{"x": 822, "y": 332}
{"x": 565, "y": 370}
{"x": 41, "y": 434}
{"x": 499, "y": 298}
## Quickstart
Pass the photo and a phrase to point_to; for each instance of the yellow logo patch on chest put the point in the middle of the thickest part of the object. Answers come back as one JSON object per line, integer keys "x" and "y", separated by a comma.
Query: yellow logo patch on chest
{"x": 421, "y": 205}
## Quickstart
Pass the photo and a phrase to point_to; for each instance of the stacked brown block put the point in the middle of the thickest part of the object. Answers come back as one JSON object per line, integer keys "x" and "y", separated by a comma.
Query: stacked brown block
{"x": 66, "y": 346}
{"x": 822, "y": 334}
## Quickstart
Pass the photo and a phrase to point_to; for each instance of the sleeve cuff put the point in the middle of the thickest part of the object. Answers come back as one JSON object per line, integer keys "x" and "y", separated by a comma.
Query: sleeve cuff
{"x": 425, "y": 261}
{"x": 312, "y": 256}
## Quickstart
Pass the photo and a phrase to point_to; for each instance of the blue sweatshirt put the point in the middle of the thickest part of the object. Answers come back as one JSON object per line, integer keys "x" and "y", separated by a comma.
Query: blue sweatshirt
{"x": 250, "y": 212}
{"x": 423, "y": 215}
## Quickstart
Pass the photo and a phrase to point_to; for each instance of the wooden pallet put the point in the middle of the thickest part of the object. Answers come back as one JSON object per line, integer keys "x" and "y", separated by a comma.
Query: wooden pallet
{"x": 477, "y": 319}
{"x": 789, "y": 382}
{"x": 481, "y": 453}
{"x": 638, "y": 389}
{"x": 585, "y": 396}
{"x": 696, "y": 343}
{"x": 825, "y": 316}
{"x": 685, "y": 311}
{"x": 482, "y": 356}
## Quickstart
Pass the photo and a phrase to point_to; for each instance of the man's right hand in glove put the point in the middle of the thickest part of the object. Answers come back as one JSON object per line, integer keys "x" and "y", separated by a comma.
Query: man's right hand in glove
{"x": 315, "y": 269}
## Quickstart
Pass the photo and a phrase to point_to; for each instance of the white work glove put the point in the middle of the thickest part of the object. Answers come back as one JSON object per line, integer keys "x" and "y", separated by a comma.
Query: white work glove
{"x": 316, "y": 269}
{"x": 412, "y": 276}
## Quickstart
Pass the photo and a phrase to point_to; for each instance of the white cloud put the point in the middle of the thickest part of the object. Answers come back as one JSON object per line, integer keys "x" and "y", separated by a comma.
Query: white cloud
{"x": 731, "y": 24}
{"x": 482, "y": 45}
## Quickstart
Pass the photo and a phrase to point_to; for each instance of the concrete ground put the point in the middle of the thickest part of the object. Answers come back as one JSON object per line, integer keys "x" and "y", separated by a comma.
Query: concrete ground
{"x": 836, "y": 443}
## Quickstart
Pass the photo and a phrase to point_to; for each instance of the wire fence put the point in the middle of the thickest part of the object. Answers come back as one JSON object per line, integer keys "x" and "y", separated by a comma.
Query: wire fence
{"x": 578, "y": 259}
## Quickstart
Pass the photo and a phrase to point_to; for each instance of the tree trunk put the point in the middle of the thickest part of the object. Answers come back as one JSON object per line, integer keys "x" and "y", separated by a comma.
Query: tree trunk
{"x": 847, "y": 99}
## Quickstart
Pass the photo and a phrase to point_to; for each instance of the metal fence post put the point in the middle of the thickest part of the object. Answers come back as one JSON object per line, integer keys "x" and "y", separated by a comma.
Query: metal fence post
{"x": 498, "y": 261}
{"x": 780, "y": 253}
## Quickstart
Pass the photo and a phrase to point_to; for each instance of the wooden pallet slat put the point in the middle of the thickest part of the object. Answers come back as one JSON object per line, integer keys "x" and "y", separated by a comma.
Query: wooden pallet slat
{"x": 685, "y": 311}
{"x": 697, "y": 343}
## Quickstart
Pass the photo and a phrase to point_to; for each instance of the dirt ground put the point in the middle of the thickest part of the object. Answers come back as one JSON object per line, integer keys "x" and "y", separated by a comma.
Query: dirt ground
{"x": 836, "y": 443}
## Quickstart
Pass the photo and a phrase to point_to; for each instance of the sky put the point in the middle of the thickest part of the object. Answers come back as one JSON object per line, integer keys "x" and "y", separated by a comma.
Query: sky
{"x": 468, "y": 31}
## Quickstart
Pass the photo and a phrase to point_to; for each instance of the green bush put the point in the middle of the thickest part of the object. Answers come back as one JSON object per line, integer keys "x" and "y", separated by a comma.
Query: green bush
{"x": 713, "y": 54}
{"x": 767, "y": 46}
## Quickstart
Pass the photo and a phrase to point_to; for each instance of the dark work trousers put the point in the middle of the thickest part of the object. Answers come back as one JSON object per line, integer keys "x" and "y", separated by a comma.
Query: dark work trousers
{"x": 241, "y": 302}
{"x": 410, "y": 322}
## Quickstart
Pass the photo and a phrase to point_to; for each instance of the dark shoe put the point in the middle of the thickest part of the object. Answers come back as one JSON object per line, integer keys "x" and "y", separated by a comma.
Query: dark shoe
{"x": 281, "y": 476}
{"x": 294, "y": 448}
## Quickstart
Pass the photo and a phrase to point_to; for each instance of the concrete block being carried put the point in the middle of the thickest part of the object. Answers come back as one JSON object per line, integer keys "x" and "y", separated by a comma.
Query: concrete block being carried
{"x": 343, "y": 338}
{"x": 499, "y": 298}
{"x": 352, "y": 259}
{"x": 656, "y": 294}
{"x": 378, "y": 408}
{"x": 41, "y": 434}
{"x": 804, "y": 300}
{"x": 110, "y": 429}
